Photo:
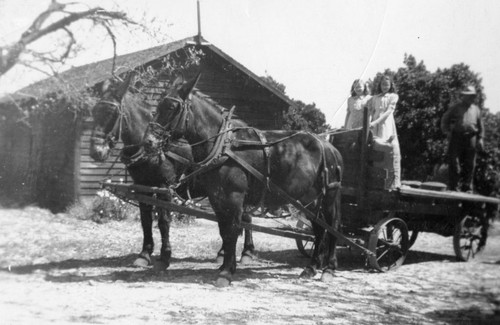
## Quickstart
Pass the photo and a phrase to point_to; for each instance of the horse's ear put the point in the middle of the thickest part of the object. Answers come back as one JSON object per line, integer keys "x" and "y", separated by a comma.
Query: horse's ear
{"x": 187, "y": 88}
{"x": 122, "y": 89}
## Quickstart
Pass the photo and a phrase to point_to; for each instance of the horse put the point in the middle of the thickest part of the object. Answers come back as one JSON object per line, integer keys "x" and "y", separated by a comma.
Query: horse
{"x": 122, "y": 114}
{"x": 299, "y": 163}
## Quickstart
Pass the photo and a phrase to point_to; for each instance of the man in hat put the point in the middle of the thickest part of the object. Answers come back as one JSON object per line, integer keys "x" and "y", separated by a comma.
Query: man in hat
{"x": 463, "y": 125}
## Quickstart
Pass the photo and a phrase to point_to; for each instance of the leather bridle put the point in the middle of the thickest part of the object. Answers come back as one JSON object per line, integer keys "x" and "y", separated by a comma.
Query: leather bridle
{"x": 114, "y": 136}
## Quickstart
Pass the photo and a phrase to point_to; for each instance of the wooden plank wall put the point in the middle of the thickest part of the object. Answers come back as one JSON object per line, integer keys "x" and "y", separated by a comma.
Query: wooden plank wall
{"x": 92, "y": 173}
{"x": 15, "y": 147}
{"x": 56, "y": 175}
{"x": 254, "y": 104}
{"x": 38, "y": 161}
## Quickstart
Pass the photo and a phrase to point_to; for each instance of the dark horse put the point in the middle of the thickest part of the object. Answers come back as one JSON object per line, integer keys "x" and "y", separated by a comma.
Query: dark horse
{"x": 299, "y": 163}
{"x": 121, "y": 113}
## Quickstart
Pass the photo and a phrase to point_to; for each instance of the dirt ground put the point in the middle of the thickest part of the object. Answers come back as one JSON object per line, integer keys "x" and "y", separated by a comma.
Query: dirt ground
{"x": 58, "y": 269}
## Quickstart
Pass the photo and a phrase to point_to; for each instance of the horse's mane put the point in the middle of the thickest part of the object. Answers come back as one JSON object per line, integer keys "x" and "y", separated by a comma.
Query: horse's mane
{"x": 134, "y": 99}
{"x": 204, "y": 97}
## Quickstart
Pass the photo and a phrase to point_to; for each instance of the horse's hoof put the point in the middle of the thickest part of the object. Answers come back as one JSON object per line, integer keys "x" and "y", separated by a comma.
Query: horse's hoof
{"x": 328, "y": 276}
{"x": 142, "y": 261}
{"x": 247, "y": 258}
{"x": 222, "y": 282}
{"x": 307, "y": 273}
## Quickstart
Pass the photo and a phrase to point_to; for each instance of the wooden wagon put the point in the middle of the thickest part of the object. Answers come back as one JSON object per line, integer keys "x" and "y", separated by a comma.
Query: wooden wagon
{"x": 382, "y": 222}
{"x": 390, "y": 219}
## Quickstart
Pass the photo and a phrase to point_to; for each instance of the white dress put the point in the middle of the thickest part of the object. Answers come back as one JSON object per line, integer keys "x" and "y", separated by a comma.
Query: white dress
{"x": 385, "y": 131}
{"x": 355, "y": 107}
{"x": 378, "y": 105}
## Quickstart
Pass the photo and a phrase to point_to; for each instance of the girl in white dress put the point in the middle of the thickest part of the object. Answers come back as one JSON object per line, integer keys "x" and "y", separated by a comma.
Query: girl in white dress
{"x": 381, "y": 109}
{"x": 355, "y": 104}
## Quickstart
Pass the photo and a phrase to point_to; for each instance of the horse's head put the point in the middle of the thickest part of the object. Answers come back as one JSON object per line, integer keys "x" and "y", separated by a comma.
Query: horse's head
{"x": 108, "y": 117}
{"x": 172, "y": 114}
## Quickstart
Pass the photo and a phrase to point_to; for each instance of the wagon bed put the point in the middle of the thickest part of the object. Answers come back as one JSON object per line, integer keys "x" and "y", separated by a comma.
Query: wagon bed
{"x": 369, "y": 201}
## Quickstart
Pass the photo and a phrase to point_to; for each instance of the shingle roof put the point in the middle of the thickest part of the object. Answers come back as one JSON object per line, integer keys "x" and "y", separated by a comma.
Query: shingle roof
{"x": 88, "y": 75}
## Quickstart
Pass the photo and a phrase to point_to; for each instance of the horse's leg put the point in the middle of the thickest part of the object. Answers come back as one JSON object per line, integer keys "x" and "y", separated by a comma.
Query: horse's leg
{"x": 144, "y": 258}
{"x": 315, "y": 262}
{"x": 247, "y": 256}
{"x": 229, "y": 212}
{"x": 220, "y": 253}
{"x": 164, "y": 220}
{"x": 332, "y": 210}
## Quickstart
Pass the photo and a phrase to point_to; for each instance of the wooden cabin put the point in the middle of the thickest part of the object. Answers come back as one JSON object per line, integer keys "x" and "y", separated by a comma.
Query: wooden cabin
{"x": 45, "y": 156}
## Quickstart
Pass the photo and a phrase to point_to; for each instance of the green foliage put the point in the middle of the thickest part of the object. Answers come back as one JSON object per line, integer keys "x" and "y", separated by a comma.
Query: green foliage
{"x": 274, "y": 83}
{"x": 106, "y": 207}
{"x": 103, "y": 208}
{"x": 305, "y": 117}
{"x": 301, "y": 116}
{"x": 423, "y": 98}
{"x": 488, "y": 162}
{"x": 170, "y": 66}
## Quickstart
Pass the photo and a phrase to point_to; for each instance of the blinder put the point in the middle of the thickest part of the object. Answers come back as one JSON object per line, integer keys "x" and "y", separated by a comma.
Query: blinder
{"x": 178, "y": 125}
{"x": 101, "y": 137}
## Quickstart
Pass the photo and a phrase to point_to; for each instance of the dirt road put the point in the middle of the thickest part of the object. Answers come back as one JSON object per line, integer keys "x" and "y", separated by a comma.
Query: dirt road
{"x": 57, "y": 269}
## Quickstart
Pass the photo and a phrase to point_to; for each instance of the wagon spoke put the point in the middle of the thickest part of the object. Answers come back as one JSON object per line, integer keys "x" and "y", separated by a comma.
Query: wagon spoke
{"x": 382, "y": 255}
{"x": 389, "y": 242}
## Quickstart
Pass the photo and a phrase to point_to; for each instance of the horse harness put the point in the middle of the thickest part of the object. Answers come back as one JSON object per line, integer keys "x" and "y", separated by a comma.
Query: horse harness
{"x": 225, "y": 142}
{"x": 222, "y": 151}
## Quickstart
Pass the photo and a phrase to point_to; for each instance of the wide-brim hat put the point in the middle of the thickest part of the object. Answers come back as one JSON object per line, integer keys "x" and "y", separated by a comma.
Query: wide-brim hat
{"x": 469, "y": 90}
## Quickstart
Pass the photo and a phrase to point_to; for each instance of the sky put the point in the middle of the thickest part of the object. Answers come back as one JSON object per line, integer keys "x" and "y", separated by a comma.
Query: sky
{"x": 316, "y": 48}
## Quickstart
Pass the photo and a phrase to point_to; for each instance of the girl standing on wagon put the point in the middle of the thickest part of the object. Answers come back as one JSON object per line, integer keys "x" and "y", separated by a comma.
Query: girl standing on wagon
{"x": 355, "y": 104}
{"x": 381, "y": 108}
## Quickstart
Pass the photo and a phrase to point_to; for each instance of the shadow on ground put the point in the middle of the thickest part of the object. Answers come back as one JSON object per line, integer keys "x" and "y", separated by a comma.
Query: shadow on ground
{"x": 268, "y": 265}
{"x": 472, "y": 315}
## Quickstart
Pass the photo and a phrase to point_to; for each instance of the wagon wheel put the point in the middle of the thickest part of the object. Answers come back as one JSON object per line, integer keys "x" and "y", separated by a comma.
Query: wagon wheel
{"x": 389, "y": 242}
{"x": 412, "y": 233}
{"x": 412, "y": 237}
{"x": 306, "y": 247}
{"x": 469, "y": 237}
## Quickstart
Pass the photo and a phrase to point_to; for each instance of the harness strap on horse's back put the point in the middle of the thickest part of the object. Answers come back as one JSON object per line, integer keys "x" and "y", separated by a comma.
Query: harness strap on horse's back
{"x": 267, "y": 162}
{"x": 267, "y": 155}
{"x": 215, "y": 158}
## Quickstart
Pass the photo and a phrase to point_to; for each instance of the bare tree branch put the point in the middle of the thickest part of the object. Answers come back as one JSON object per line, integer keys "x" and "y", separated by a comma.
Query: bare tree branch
{"x": 9, "y": 55}
{"x": 113, "y": 39}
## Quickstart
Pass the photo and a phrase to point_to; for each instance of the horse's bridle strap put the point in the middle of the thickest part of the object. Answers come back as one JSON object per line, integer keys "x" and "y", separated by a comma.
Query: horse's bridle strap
{"x": 117, "y": 127}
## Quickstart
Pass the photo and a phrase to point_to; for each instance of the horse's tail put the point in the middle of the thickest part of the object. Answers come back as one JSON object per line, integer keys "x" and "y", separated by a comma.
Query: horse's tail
{"x": 331, "y": 166}
{"x": 332, "y": 181}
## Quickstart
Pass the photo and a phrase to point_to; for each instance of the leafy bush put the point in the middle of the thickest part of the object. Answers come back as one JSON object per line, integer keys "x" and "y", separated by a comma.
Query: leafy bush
{"x": 104, "y": 208}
